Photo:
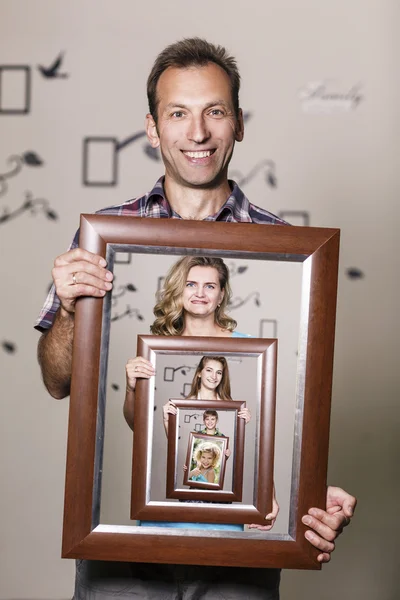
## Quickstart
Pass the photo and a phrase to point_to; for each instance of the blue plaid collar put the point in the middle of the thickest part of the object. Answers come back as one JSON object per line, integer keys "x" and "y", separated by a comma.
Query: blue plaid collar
{"x": 236, "y": 208}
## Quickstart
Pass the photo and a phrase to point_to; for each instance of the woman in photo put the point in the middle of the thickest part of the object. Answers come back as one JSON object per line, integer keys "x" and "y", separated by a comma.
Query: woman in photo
{"x": 192, "y": 302}
{"x": 210, "y": 382}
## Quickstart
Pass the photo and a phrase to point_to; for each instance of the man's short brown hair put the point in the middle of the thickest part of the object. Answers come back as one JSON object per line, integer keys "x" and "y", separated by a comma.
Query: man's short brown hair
{"x": 192, "y": 52}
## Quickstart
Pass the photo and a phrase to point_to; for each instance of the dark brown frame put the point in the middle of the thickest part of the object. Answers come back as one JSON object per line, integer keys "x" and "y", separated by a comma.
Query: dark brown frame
{"x": 236, "y": 493}
{"x": 265, "y": 351}
{"x": 237, "y": 483}
{"x": 83, "y": 534}
{"x": 203, "y": 485}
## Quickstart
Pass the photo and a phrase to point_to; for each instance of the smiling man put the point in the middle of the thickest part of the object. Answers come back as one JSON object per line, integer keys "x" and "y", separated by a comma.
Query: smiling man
{"x": 195, "y": 120}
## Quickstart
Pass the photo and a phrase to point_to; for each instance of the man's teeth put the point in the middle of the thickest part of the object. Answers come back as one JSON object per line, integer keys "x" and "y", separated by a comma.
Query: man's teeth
{"x": 198, "y": 154}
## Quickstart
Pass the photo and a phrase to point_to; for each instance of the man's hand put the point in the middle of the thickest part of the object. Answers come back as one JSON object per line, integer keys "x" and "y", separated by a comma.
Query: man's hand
{"x": 328, "y": 524}
{"x": 80, "y": 273}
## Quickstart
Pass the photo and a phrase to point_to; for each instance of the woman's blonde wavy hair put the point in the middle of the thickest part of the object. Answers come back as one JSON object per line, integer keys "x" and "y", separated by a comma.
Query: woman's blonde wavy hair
{"x": 169, "y": 308}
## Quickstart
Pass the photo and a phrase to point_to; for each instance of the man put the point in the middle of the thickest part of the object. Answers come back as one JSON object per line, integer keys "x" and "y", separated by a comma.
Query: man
{"x": 195, "y": 120}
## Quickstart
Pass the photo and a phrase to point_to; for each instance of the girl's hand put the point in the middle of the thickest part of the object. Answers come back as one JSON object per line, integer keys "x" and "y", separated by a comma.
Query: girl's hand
{"x": 245, "y": 414}
{"x": 135, "y": 368}
{"x": 184, "y": 467}
{"x": 169, "y": 409}
{"x": 270, "y": 517}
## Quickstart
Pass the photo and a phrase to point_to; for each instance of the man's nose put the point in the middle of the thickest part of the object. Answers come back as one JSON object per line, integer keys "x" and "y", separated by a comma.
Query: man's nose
{"x": 198, "y": 131}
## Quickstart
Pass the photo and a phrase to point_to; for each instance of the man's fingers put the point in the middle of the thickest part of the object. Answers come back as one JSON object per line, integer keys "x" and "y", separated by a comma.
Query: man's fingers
{"x": 322, "y": 544}
{"x": 335, "y": 521}
{"x": 78, "y": 254}
{"x": 324, "y": 557}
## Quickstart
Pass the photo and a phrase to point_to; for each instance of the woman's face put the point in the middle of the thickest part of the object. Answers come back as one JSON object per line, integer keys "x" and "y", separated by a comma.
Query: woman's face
{"x": 211, "y": 375}
{"x": 206, "y": 459}
{"x": 202, "y": 292}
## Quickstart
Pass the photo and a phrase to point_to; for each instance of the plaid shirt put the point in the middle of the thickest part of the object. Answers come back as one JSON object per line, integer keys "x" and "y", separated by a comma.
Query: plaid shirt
{"x": 154, "y": 205}
{"x": 217, "y": 433}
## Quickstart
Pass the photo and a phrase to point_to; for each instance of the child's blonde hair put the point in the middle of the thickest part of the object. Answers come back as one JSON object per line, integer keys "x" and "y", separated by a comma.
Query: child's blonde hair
{"x": 208, "y": 447}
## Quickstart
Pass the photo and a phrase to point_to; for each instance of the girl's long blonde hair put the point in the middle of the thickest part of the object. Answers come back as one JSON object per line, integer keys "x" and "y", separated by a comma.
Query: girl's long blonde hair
{"x": 169, "y": 307}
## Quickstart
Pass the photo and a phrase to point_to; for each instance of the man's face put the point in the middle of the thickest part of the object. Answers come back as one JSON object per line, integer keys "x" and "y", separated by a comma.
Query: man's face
{"x": 197, "y": 127}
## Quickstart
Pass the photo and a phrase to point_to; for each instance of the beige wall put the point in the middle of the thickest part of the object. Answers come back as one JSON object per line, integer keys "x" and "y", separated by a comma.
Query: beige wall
{"x": 338, "y": 165}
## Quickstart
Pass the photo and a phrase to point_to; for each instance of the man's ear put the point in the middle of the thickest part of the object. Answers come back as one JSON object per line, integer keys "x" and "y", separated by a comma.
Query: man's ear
{"x": 239, "y": 133}
{"x": 151, "y": 131}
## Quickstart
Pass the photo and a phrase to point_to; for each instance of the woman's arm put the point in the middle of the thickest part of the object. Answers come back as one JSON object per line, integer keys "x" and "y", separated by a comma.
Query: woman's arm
{"x": 135, "y": 368}
{"x": 168, "y": 409}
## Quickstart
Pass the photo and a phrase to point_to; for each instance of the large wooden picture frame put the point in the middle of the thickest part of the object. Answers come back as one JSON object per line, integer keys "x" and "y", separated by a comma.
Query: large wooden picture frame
{"x": 265, "y": 352}
{"x": 192, "y": 462}
{"x": 173, "y": 488}
{"x": 84, "y": 536}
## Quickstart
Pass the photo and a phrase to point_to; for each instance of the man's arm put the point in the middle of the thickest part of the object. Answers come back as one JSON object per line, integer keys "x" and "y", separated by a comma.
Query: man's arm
{"x": 55, "y": 354}
{"x": 76, "y": 273}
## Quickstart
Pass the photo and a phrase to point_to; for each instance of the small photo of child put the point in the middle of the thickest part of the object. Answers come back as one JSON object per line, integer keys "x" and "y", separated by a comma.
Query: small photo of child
{"x": 206, "y": 458}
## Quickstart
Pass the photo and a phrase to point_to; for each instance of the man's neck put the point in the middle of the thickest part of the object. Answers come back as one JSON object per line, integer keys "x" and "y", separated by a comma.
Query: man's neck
{"x": 195, "y": 203}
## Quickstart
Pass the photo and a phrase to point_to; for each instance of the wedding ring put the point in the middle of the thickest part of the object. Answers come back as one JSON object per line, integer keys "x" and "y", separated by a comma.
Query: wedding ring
{"x": 74, "y": 281}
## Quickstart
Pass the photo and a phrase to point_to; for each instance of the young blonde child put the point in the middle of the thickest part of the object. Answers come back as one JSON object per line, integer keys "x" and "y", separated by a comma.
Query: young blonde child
{"x": 207, "y": 456}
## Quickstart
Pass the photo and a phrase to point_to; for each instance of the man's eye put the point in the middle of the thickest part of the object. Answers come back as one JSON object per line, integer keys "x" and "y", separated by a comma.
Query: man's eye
{"x": 177, "y": 114}
{"x": 216, "y": 112}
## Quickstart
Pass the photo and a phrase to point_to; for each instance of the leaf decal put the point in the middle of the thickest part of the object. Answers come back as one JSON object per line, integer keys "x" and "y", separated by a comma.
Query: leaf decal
{"x": 32, "y": 159}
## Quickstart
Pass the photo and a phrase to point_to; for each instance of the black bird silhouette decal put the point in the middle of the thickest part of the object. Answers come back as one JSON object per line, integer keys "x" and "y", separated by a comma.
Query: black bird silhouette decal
{"x": 52, "y": 70}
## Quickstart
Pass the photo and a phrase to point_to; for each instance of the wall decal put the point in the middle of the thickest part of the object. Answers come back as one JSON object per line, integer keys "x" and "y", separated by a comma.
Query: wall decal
{"x": 52, "y": 71}
{"x": 187, "y": 418}
{"x": 354, "y": 273}
{"x": 237, "y": 302}
{"x": 33, "y": 206}
{"x": 295, "y": 217}
{"x": 31, "y": 159}
{"x": 266, "y": 165}
{"x": 268, "y": 328}
{"x": 121, "y": 291}
{"x": 9, "y": 347}
{"x": 100, "y": 158}
{"x": 170, "y": 372}
{"x": 123, "y": 258}
{"x": 15, "y": 89}
{"x": 129, "y": 312}
{"x": 321, "y": 97}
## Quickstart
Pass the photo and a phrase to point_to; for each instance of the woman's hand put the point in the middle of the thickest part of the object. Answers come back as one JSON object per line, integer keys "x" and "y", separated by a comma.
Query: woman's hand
{"x": 228, "y": 452}
{"x": 135, "y": 368}
{"x": 245, "y": 414}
